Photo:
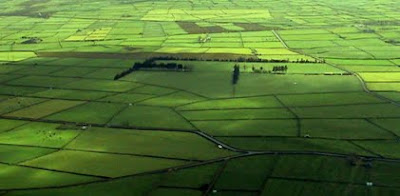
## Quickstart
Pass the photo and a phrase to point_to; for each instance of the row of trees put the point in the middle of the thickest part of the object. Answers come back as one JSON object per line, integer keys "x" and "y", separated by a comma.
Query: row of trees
{"x": 150, "y": 64}
{"x": 240, "y": 59}
{"x": 31, "y": 40}
{"x": 280, "y": 68}
{"x": 283, "y": 68}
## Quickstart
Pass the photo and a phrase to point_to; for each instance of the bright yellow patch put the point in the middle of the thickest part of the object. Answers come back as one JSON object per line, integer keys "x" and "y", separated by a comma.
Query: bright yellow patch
{"x": 16, "y": 56}
{"x": 93, "y": 35}
{"x": 190, "y": 15}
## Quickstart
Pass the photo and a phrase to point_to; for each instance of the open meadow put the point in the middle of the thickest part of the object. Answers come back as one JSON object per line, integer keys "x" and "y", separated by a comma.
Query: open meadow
{"x": 200, "y": 97}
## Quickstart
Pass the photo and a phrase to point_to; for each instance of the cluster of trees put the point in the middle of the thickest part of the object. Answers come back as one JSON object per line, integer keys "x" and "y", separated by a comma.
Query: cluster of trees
{"x": 151, "y": 64}
{"x": 31, "y": 40}
{"x": 308, "y": 61}
{"x": 283, "y": 68}
{"x": 280, "y": 68}
{"x": 255, "y": 70}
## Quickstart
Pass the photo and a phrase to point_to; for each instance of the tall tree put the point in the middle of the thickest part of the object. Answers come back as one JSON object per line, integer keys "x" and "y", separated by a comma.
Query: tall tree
{"x": 235, "y": 78}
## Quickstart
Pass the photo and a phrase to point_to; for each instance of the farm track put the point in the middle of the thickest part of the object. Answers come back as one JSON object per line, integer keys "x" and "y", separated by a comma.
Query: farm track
{"x": 280, "y": 39}
{"x": 363, "y": 83}
{"x": 242, "y": 153}
{"x": 364, "y": 86}
{"x": 223, "y": 159}
{"x": 202, "y": 134}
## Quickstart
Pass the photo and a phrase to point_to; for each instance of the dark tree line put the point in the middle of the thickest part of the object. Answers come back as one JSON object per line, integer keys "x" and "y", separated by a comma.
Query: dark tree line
{"x": 240, "y": 59}
{"x": 280, "y": 68}
{"x": 151, "y": 64}
{"x": 31, "y": 40}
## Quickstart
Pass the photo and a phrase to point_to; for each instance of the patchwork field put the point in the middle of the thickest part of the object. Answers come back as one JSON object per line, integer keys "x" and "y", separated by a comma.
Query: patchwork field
{"x": 198, "y": 98}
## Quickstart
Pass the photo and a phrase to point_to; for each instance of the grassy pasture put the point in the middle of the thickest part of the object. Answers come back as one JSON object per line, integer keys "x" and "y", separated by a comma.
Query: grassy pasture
{"x": 104, "y": 73}
{"x": 293, "y": 144}
{"x": 4, "y": 68}
{"x": 248, "y": 127}
{"x": 381, "y": 77}
{"x": 384, "y": 191}
{"x": 15, "y": 56}
{"x": 124, "y": 186}
{"x": 44, "y": 109}
{"x": 175, "y": 99}
{"x": 382, "y": 86}
{"x": 176, "y": 191}
{"x": 153, "y": 90}
{"x": 14, "y": 177}
{"x": 249, "y": 173}
{"x": 15, "y": 154}
{"x": 319, "y": 168}
{"x": 191, "y": 177}
{"x": 71, "y": 94}
{"x": 237, "y": 114}
{"x": 328, "y": 99}
{"x": 150, "y": 117}
{"x": 7, "y": 125}
{"x": 127, "y": 97}
{"x": 385, "y": 173}
{"x": 42, "y": 81}
{"x": 38, "y": 134}
{"x": 239, "y": 193}
{"x": 102, "y": 85}
{"x": 360, "y": 62}
{"x": 73, "y": 72}
{"x": 390, "y": 124}
{"x": 371, "y": 68}
{"x": 347, "y": 52}
{"x": 34, "y": 69}
{"x": 352, "y": 111}
{"x": 274, "y": 187}
{"x": 17, "y": 103}
{"x": 391, "y": 95}
{"x": 100, "y": 164}
{"x": 4, "y": 97}
{"x": 180, "y": 144}
{"x": 343, "y": 129}
{"x": 18, "y": 90}
{"x": 218, "y": 85}
{"x": 384, "y": 148}
{"x": 232, "y": 103}
{"x": 95, "y": 112}
{"x": 310, "y": 44}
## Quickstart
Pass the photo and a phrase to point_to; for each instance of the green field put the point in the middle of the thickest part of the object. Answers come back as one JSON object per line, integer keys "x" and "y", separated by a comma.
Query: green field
{"x": 199, "y": 98}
